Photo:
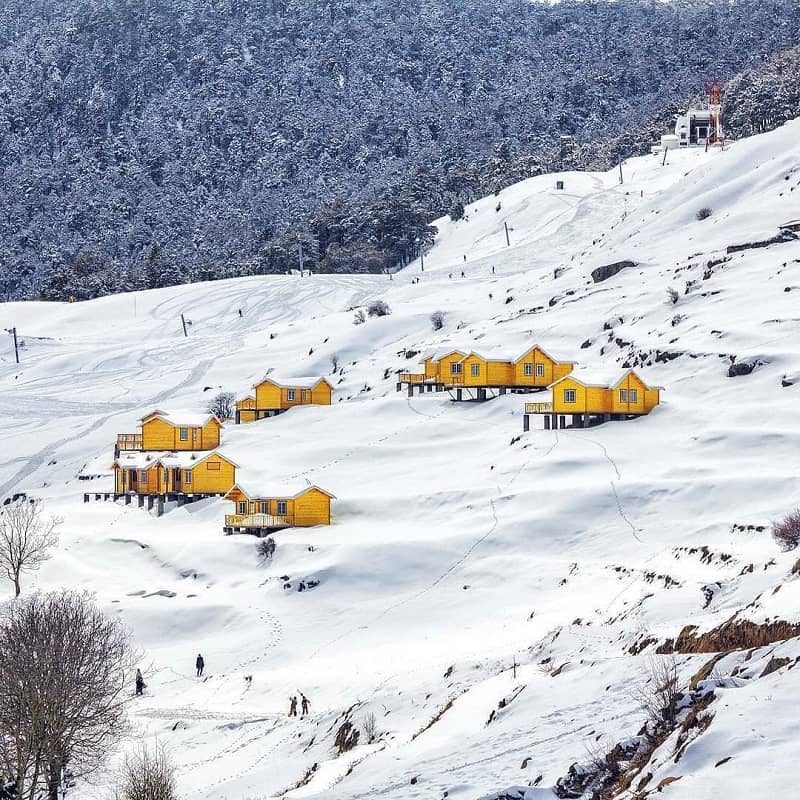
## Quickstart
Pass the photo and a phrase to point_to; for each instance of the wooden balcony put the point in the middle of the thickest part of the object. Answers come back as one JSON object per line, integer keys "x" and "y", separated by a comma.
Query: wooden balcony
{"x": 129, "y": 441}
{"x": 538, "y": 408}
{"x": 413, "y": 377}
{"x": 258, "y": 521}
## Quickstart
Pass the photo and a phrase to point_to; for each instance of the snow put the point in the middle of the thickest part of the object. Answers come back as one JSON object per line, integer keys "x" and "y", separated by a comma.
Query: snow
{"x": 295, "y": 383}
{"x": 459, "y": 546}
{"x": 181, "y": 418}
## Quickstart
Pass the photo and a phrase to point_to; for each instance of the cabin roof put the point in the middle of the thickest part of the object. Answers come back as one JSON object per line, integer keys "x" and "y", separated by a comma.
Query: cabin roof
{"x": 606, "y": 379}
{"x": 181, "y": 418}
{"x": 517, "y": 359}
{"x": 277, "y": 491}
{"x": 441, "y": 352}
{"x": 183, "y": 459}
{"x": 294, "y": 383}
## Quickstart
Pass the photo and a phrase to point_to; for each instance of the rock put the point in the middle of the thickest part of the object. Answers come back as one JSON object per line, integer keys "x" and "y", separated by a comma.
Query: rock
{"x": 609, "y": 270}
{"x": 741, "y": 368}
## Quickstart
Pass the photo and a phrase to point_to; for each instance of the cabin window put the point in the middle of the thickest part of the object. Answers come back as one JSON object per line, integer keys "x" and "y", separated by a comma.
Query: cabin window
{"x": 633, "y": 395}
{"x": 281, "y": 508}
{"x": 183, "y": 433}
{"x": 528, "y": 369}
{"x": 540, "y": 370}
{"x": 623, "y": 395}
{"x": 569, "y": 395}
{"x": 476, "y": 370}
{"x": 143, "y": 476}
{"x": 455, "y": 369}
{"x": 290, "y": 394}
{"x": 242, "y": 507}
{"x": 304, "y": 396}
{"x": 264, "y": 507}
{"x": 187, "y": 476}
{"x": 213, "y": 465}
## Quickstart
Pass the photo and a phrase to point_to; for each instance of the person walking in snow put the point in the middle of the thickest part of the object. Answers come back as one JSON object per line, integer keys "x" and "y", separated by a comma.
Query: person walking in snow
{"x": 292, "y": 706}
{"x": 200, "y": 665}
{"x": 139, "y": 682}
{"x": 304, "y": 704}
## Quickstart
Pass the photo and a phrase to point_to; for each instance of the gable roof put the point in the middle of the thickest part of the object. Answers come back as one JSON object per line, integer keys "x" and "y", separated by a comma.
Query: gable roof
{"x": 439, "y": 354}
{"x": 294, "y": 383}
{"x": 181, "y": 419}
{"x": 184, "y": 459}
{"x": 544, "y": 353}
{"x": 599, "y": 379}
{"x": 516, "y": 360}
{"x": 278, "y": 491}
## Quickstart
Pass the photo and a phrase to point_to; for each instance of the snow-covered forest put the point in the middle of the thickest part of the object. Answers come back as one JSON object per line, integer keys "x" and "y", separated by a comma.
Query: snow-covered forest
{"x": 150, "y": 142}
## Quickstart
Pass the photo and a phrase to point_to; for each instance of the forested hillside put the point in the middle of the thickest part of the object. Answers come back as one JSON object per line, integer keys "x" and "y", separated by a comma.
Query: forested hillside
{"x": 147, "y": 142}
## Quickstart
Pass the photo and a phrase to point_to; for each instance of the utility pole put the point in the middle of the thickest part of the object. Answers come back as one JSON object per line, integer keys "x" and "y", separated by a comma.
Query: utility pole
{"x": 422, "y": 261}
{"x": 621, "y": 179}
{"x": 300, "y": 253}
{"x": 183, "y": 322}
{"x": 515, "y": 667}
{"x": 664, "y": 160}
{"x": 16, "y": 346}
{"x": 508, "y": 241}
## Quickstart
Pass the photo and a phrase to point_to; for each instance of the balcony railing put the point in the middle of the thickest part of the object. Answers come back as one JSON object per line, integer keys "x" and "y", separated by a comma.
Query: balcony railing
{"x": 413, "y": 377}
{"x": 129, "y": 441}
{"x": 258, "y": 521}
{"x": 538, "y": 408}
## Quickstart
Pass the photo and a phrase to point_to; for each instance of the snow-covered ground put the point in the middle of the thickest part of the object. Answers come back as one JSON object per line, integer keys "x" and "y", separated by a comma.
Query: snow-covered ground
{"x": 460, "y": 546}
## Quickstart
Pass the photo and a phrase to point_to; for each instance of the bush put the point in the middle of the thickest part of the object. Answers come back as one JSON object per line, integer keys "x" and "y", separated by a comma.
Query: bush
{"x": 703, "y": 213}
{"x": 360, "y": 317}
{"x": 379, "y": 308}
{"x": 786, "y": 532}
{"x": 148, "y": 776}
{"x": 673, "y": 295}
{"x": 266, "y": 548}
{"x": 370, "y": 727}
{"x": 437, "y": 320}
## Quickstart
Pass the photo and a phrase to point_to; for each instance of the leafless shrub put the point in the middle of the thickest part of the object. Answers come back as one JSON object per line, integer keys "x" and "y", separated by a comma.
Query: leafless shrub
{"x": 360, "y": 317}
{"x": 148, "y": 775}
{"x": 266, "y": 548}
{"x": 64, "y": 675}
{"x": 369, "y": 727}
{"x": 659, "y": 694}
{"x": 673, "y": 295}
{"x": 704, "y": 213}
{"x": 222, "y": 405}
{"x": 334, "y": 362}
{"x": 437, "y": 320}
{"x": 379, "y": 308}
{"x": 27, "y": 536}
{"x": 786, "y": 531}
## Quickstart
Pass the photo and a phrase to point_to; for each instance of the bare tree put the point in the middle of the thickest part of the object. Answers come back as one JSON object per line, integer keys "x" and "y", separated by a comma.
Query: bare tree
{"x": 27, "y": 536}
{"x": 660, "y": 694}
{"x": 148, "y": 775}
{"x": 787, "y": 530}
{"x": 359, "y": 318}
{"x": 64, "y": 669}
{"x": 673, "y": 295}
{"x": 334, "y": 362}
{"x": 370, "y": 727}
{"x": 222, "y": 405}
{"x": 265, "y": 549}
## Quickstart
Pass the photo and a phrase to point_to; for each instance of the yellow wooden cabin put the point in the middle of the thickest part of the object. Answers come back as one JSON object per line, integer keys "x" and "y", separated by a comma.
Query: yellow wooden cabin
{"x": 182, "y": 473}
{"x": 534, "y": 369}
{"x": 274, "y": 396}
{"x": 160, "y": 430}
{"x": 589, "y": 399}
{"x": 260, "y": 512}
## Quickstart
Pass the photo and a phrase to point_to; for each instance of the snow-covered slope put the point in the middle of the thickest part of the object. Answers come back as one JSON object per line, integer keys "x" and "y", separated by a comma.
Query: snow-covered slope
{"x": 460, "y": 546}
